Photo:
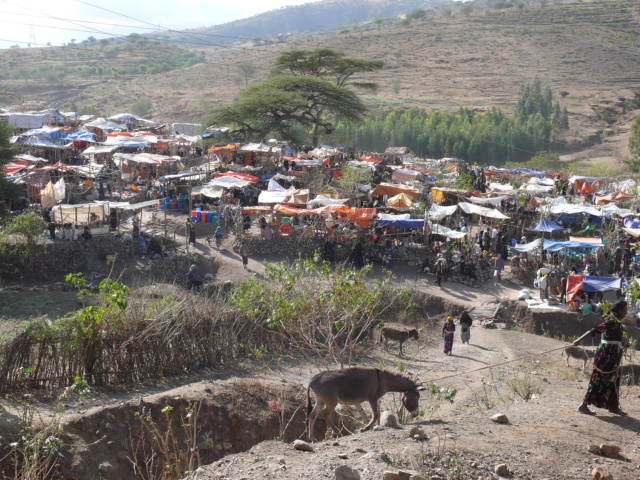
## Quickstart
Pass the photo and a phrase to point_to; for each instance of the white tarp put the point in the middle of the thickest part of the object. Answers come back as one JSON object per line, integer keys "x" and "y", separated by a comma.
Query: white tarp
{"x": 528, "y": 247}
{"x": 391, "y": 217}
{"x": 322, "y": 201}
{"x": 272, "y": 196}
{"x": 273, "y": 185}
{"x": 26, "y": 120}
{"x": 309, "y": 163}
{"x": 91, "y": 170}
{"x": 437, "y": 212}
{"x": 323, "y": 152}
{"x": 613, "y": 209}
{"x": 447, "y": 232}
{"x": 207, "y": 191}
{"x": 104, "y": 124}
{"x": 186, "y": 128}
{"x": 59, "y": 190}
{"x": 571, "y": 209}
{"x": 96, "y": 149}
{"x": 80, "y": 214}
{"x": 486, "y": 200}
{"x": 229, "y": 182}
{"x": 255, "y": 147}
{"x": 133, "y": 206}
{"x": 30, "y": 158}
{"x": 125, "y": 139}
{"x": 482, "y": 211}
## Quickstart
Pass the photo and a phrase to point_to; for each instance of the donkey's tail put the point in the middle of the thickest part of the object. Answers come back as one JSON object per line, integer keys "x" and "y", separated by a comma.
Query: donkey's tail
{"x": 308, "y": 400}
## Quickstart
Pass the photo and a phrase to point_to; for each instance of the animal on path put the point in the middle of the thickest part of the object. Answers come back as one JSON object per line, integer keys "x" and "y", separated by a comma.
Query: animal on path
{"x": 111, "y": 258}
{"x": 353, "y": 386}
{"x": 578, "y": 353}
{"x": 397, "y": 334}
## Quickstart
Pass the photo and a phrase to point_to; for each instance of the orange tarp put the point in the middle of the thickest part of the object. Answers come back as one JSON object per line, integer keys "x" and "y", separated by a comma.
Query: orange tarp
{"x": 395, "y": 189}
{"x": 287, "y": 210}
{"x": 613, "y": 197}
{"x": 231, "y": 146}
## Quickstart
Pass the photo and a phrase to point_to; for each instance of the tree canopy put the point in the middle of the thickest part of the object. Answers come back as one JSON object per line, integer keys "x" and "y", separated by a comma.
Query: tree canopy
{"x": 303, "y": 96}
{"x": 634, "y": 146}
{"x": 8, "y": 190}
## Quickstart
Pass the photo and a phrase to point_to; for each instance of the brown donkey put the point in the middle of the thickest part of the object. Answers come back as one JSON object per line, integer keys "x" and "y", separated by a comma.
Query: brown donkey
{"x": 352, "y": 386}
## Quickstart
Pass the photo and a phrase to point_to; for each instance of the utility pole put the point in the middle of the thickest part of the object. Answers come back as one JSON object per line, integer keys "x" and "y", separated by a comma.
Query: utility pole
{"x": 32, "y": 36}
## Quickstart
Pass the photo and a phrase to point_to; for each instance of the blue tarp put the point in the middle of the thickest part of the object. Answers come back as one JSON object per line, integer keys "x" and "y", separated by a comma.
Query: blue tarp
{"x": 545, "y": 225}
{"x": 631, "y": 223}
{"x": 600, "y": 284}
{"x": 412, "y": 223}
{"x": 553, "y": 246}
{"x": 266, "y": 178}
{"x": 528, "y": 171}
{"x": 81, "y": 135}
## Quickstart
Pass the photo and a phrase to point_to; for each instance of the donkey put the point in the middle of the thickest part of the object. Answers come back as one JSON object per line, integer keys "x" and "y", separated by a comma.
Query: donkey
{"x": 579, "y": 353}
{"x": 398, "y": 334}
{"x": 352, "y": 386}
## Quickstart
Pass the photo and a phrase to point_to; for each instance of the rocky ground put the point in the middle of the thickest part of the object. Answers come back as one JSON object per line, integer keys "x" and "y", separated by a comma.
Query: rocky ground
{"x": 543, "y": 437}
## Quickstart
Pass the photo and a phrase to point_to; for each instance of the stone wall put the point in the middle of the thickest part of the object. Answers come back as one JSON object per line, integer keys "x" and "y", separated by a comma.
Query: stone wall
{"x": 62, "y": 257}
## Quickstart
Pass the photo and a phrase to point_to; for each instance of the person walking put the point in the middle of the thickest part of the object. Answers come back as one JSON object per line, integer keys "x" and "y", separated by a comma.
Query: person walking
{"x": 499, "y": 267}
{"x": 448, "y": 330}
{"x": 245, "y": 254}
{"x": 192, "y": 232}
{"x": 465, "y": 327}
{"x": 604, "y": 385}
{"x": 440, "y": 269}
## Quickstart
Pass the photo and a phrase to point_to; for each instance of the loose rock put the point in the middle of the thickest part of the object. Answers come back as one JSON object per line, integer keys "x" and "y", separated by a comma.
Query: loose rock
{"x": 390, "y": 476}
{"x": 388, "y": 419}
{"x": 417, "y": 433}
{"x": 595, "y": 449}
{"x": 501, "y": 470}
{"x": 303, "y": 446}
{"x": 600, "y": 473}
{"x": 500, "y": 418}
{"x": 610, "y": 450}
{"x": 346, "y": 473}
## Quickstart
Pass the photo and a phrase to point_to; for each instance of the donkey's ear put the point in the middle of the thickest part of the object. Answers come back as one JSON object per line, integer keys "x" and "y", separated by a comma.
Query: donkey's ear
{"x": 420, "y": 388}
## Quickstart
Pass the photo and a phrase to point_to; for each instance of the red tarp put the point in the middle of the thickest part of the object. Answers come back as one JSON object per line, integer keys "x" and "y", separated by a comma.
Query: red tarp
{"x": 240, "y": 176}
{"x": 574, "y": 285}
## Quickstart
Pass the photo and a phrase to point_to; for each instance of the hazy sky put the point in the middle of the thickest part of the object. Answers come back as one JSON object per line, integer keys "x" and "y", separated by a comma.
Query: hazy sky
{"x": 60, "y": 21}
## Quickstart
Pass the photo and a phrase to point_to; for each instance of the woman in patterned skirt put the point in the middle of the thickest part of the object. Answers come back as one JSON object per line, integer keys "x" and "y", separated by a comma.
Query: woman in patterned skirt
{"x": 605, "y": 380}
{"x": 447, "y": 333}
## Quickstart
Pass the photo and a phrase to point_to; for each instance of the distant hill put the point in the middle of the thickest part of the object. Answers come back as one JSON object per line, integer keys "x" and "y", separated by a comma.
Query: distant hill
{"x": 311, "y": 17}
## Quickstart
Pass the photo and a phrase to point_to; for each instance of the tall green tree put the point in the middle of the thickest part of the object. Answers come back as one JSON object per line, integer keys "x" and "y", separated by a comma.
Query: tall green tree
{"x": 634, "y": 146}
{"x": 305, "y": 91}
{"x": 8, "y": 190}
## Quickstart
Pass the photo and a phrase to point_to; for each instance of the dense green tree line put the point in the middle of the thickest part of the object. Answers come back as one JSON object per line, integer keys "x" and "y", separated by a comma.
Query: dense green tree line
{"x": 484, "y": 138}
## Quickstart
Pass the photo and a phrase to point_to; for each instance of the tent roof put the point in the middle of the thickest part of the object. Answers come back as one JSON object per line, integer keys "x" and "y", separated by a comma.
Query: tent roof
{"x": 395, "y": 189}
{"x": 545, "y": 225}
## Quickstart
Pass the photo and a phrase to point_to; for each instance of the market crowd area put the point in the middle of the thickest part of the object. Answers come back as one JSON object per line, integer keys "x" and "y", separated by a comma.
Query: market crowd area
{"x": 122, "y": 175}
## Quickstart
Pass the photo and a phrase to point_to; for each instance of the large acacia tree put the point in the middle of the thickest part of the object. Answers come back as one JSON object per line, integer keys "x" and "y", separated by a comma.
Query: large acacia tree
{"x": 306, "y": 90}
